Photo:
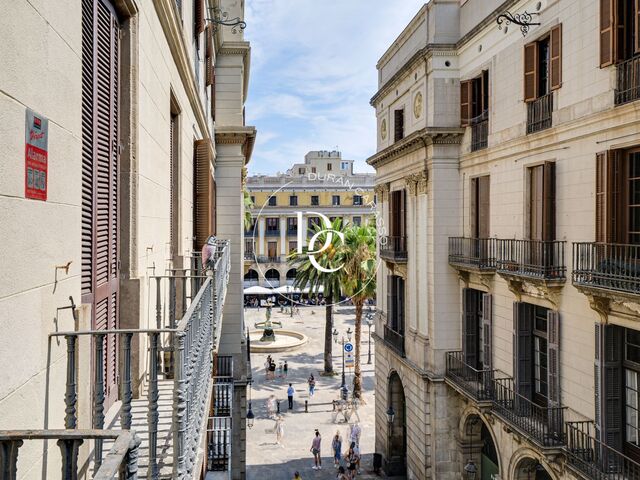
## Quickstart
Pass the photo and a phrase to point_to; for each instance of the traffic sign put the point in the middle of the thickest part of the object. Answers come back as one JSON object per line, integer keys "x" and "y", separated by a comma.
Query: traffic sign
{"x": 348, "y": 347}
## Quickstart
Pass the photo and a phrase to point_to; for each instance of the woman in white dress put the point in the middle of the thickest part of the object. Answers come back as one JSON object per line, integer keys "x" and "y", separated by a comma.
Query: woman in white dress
{"x": 279, "y": 430}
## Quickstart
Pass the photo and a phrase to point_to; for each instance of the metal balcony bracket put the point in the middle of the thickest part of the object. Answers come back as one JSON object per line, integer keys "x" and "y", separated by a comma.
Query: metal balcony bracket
{"x": 549, "y": 290}
{"x": 603, "y": 302}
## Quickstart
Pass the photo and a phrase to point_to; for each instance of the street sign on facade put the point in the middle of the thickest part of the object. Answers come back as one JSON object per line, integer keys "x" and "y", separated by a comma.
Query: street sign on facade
{"x": 35, "y": 156}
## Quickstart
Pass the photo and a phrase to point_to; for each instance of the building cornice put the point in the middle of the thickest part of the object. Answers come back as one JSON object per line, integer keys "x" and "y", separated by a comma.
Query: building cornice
{"x": 243, "y": 48}
{"x": 488, "y": 20}
{"x": 401, "y": 39}
{"x": 419, "y": 139}
{"x": 238, "y": 135}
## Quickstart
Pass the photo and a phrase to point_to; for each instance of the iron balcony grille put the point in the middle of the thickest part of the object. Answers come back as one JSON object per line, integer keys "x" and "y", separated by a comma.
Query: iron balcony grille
{"x": 628, "y": 81}
{"x": 544, "y": 425}
{"x": 539, "y": 113}
{"x": 219, "y": 444}
{"x": 272, "y": 233}
{"x": 394, "y": 248}
{"x": 472, "y": 253}
{"x": 267, "y": 259}
{"x": 536, "y": 259}
{"x": 395, "y": 340}
{"x": 607, "y": 266}
{"x": 292, "y": 231}
{"x": 595, "y": 459}
{"x": 478, "y": 384}
{"x": 479, "y": 131}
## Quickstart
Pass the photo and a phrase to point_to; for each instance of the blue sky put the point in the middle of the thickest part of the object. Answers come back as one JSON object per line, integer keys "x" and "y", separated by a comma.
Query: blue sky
{"x": 313, "y": 73}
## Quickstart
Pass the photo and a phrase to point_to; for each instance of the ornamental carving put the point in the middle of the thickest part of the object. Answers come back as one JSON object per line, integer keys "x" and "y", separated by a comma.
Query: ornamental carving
{"x": 383, "y": 129}
{"x": 417, "y": 105}
{"x": 417, "y": 183}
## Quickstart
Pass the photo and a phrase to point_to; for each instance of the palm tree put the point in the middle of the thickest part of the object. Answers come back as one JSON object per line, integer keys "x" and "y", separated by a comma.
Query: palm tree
{"x": 307, "y": 275}
{"x": 359, "y": 281}
{"x": 248, "y": 205}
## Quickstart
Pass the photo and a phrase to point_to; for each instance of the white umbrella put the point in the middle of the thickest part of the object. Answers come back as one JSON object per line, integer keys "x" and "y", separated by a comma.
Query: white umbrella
{"x": 286, "y": 289}
{"x": 318, "y": 290}
{"x": 257, "y": 290}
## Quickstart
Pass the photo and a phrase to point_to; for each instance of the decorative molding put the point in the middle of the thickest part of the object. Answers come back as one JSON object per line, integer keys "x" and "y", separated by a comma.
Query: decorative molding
{"x": 601, "y": 305}
{"x": 244, "y": 136}
{"x": 417, "y": 105}
{"x": 543, "y": 289}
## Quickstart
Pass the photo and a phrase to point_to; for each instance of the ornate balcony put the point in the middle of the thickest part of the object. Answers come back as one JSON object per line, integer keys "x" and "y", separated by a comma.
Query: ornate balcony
{"x": 628, "y": 81}
{"x": 594, "y": 459}
{"x": 607, "y": 268}
{"x": 394, "y": 248}
{"x": 479, "y": 131}
{"x": 473, "y": 383}
{"x": 533, "y": 260}
{"x": 394, "y": 339}
{"x": 539, "y": 113}
{"x": 272, "y": 232}
{"x": 473, "y": 254}
{"x": 269, "y": 259}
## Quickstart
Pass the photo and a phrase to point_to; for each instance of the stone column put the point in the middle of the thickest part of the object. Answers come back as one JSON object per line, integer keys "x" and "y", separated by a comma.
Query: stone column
{"x": 283, "y": 235}
{"x": 261, "y": 229}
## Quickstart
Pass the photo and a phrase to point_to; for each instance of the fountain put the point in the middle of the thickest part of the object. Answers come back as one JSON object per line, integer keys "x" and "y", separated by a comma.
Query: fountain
{"x": 268, "y": 327}
{"x": 263, "y": 338}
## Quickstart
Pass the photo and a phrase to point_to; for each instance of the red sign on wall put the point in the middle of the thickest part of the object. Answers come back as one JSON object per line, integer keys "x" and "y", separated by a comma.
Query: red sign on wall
{"x": 35, "y": 156}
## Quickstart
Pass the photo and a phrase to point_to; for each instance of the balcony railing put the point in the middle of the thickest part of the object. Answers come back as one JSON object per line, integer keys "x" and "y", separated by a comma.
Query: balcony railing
{"x": 219, "y": 444}
{"x": 394, "y": 339}
{"x": 476, "y": 383}
{"x": 628, "y": 81}
{"x": 544, "y": 425}
{"x": 595, "y": 459}
{"x": 249, "y": 255}
{"x": 533, "y": 259}
{"x": 394, "y": 248}
{"x": 292, "y": 231}
{"x": 187, "y": 371}
{"x": 607, "y": 266}
{"x": 539, "y": 113}
{"x": 270, "y": 259}
{"x": 472, "y": 253}
{"x": 479, "y": 131}
{"x": 272, "y": 233}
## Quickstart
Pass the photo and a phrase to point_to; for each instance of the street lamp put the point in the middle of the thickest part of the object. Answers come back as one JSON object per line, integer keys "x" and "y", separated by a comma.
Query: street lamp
{"x": 391, "y": 415}
{"x": 470, "y": 470}
{"x": 343, "y": 385}
{"x": 250, "y": 414}
{"x": 369, "y": 324}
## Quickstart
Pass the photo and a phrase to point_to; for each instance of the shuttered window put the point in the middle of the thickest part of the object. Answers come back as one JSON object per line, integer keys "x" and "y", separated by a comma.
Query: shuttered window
{"x": 522, "y": 348}
{"x": 395, "y": 303}
{"x": 555, "y": 65}
{"x": 397, "y": 212}
{"x": 204, "y": 225}
{"x": 553, "y": 357}
{"x": 543, "y": 65}
{"x": 607, "y": 36}
{"x": 616, "y": 173}
{"x": 487, "y": 331}
{"x": 619, "y": 30}
{"x": 609, "y": 353}
{"x": 530, "y": 72}
{"x": 465, "y": 102}
{"x": 198, "y": 16}
{"x": 474, "y": 338}
{"x": 474, "y": 99}
{"x": 100, "y": 109}
{"x": 174, "y": 186}
{"x": 542, "y": 202}
{"x": 480, "y": 207}
{"x": 398, "y": 125}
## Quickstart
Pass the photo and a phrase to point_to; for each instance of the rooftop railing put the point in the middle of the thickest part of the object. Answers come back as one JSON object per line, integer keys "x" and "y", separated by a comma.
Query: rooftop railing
{"x": 607, "y": 266}
{"x": 628, "y": 81}
{"x": 534, "y": 259}
{"x": 476, "y": 383}
{"x": 472, "y": 253}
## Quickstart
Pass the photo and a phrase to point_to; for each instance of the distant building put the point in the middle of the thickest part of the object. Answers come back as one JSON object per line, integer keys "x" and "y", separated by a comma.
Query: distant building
{"x": 325, "y": 183}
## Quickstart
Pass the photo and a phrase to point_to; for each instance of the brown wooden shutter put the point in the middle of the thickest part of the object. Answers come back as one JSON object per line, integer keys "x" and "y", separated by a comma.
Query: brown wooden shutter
{"x": 609, "y": 384}
{"x": 199, "y": 16}
{"x": 209, "y": 41}
{"x": 203, "y": 203}
{"x": 530, "y": 72}
{"x": 100, "y": 109}
{"x": 470, "y": 327}
{"x": 549, "y": 202}
{"x": 465, "y": 102}
{"x": 484, "y": 208}
{"x": 473, "y": 207}
{"x": 487, "y": 331}
{"x": 609, "y": 201}
{"x": 607, "y": 36}
{"x": 555, "y": 67}
{"x": 522, "y": 350}
{"x": 213, "y": 94}
{"x": 390, "y": 300}
{"x": 553, "y": 357}
{"x": 173, "y": 185}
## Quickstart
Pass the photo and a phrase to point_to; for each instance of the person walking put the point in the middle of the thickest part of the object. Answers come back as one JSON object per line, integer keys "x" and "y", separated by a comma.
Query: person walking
{"x": 271, "y": 406}
{"x": 279, "y": 428}
{"x": 290, "y": 392}
{"x": 352, "y": 462}
{"x": 356, "y": 451}
{"x": 315, "y": 450}
{"x": 336, "y": 445}
{"x": 312, "y": 385}
{"x": 285, "y": 369}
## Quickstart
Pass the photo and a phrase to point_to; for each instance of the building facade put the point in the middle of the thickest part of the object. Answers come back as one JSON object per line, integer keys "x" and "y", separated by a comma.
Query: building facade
{"x": 135, "y": 145}
{"x": 508, "y": 304}
{"x": 324, "y": 184}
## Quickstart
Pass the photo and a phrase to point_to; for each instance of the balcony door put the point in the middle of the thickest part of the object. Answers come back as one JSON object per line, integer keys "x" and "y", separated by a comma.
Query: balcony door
{"x": 100, "y": 107}
{"x": 272, "y": 249}
{"x": 476, "y": 328}
{"x": 480, "y": 207}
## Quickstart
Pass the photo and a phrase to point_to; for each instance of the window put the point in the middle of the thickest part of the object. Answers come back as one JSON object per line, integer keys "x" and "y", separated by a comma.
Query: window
{"x": 253, "y": 199}
{"x": 344, "y": 165}
{"x": 335, "y": 200}
{"x": 272, "y": 201}
{"x": 293, "y": 246}
{"x": 248, "y": 247}
{"x": 619, "y": 31}
{"x": 476, "y": 328}
{"x": 333, "y": 219}
{"x": 329, "y": 166}
{"x": 480, "y": 207}
{"x": 398, "y": 124}
{"x": 198, "y": 19}
{"x": 395, "y": 303}
{"x": 542, "y": 205}
{"x": 174, "y": 173}
{"x": 273, "y": 225}
{"x": 474, "y": 98}
{"x": 315, "y": 200}
{"x": 357, "y": 200}
{"x": 292, "y": 225}
{"x": 397, "y": 214}
{"x": 313, "y": 169}
{"x": 301, "y": 171}
{"x": 312, "y": 222}
{"x": 631, "y": 397}
{"x": 272, "y": 249}
{"x": 357, "y": 221}
{"x": 543, "y": 65}
{"x": 293, "y": 200}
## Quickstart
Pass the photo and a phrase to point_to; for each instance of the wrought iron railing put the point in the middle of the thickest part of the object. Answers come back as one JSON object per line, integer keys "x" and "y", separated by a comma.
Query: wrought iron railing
{"x": 190, "y": 344}
{"x": 476, "y": 383}
{"x": 249, "y": 255}
{"x": 268, "y": 259}
{"x": 544, "y": 425}
{"x": 394, "y": 248}
{"x": 479, "y": 131}
{"x": 531, "y": 258}
{"x": 272, "y": 232}
{"x": 595, "y": 459}
{"x": 628, "y": 81}
{"x": 607, "y": 266}
{"x": 394, "y": 339}
{"x": 539, "y": 113}
{"x": 292, "y": 231}
{"x": 474, "y": 253}
{"x": 219, "y": 444}
{"x": 121, "y": 461}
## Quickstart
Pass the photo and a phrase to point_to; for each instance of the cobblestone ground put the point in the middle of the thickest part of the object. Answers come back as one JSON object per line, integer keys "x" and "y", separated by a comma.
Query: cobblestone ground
{"x": 266, "y": 459}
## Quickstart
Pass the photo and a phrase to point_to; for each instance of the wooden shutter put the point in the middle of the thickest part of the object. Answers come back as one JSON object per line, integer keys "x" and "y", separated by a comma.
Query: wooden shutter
{"x": 522, "y": 348}
{"x": 398, "y": 126}
{"x": 390, "y": 301}
{"x": 470, "y": 326}
{"x": 607, "y": 34}
{"x": 213, "y": 93}
{"x": 400, "y": 304}
{"x": 536, "y": 202}
{"x": 553, "y": 357}
{"x": 530, "y": 72}
{"x": 100, "y": 109}
{"x": 483, "y": 206}
{"x": 174, "y": 188}
{"x": 555, "y": 65}
{"x": 203, "y": 202}
{"x": 199, "y": 16}
{"x": 609, "y": 384}
{"x": 485, "y": 90}
{"x": 609, "y": 198}
{"x": 549, "y": 202}
{"x": 208, "y": 76}
{"x": 487, "y": 331}
{"x": 465, "y": 102}
{"x": 473, "y": 207}
{"x": 209, "y": 41}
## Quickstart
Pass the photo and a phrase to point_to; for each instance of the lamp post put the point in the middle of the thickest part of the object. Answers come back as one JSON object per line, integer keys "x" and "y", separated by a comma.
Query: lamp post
{"x": 343, "y": 386}
{"x": 369, "y": 324}
{"x": 391, "y": 415}
{"x": 250, "y": 414}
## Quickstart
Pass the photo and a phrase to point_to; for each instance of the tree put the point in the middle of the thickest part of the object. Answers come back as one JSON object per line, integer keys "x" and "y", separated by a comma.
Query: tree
{"x": 359, "y": 281}
{"x": 248, "y": 205}
{"x": 307, "y": 275}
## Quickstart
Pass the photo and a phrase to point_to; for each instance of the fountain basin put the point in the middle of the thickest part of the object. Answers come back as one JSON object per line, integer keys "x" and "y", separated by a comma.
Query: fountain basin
{"x": 285, "y": 341}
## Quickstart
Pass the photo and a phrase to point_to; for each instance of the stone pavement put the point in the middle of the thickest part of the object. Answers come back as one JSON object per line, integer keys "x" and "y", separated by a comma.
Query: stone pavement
{"x": 266, "y": 459}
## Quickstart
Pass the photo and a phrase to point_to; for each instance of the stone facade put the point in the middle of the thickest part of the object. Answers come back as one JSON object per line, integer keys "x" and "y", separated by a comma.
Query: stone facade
{"x": 437, "y": 163}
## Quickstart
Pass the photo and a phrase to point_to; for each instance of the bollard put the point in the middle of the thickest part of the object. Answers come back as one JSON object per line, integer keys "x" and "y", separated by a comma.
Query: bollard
{"x": 278, "y": 405}
{"x": 306, "y": 406}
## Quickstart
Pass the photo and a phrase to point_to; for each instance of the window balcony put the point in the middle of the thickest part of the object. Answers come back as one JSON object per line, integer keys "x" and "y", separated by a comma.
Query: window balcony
{"x": 394, "y": 248}
{"x": 607, "y": 267}
{"x": 539, "y": 113}
{"x": 473, "y": 254}
{"x": 531, "y": 259}
{"x": 473, "y": 383}
{"x": 272, "y": 233}
{"x": 268, "y": 259}
{"x": 628, "y": 81}
{"x": 479, "y": 131}
{"x": 249, "y": 255}
{"x": 292, "y": 231}
{"x": 394, "y": 340}
{"x": 543, "y": 425}
{"x": 594, "y": 459}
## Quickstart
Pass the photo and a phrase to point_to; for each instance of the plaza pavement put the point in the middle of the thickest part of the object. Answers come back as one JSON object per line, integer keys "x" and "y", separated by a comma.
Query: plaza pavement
{"x": 268, "y": 461}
